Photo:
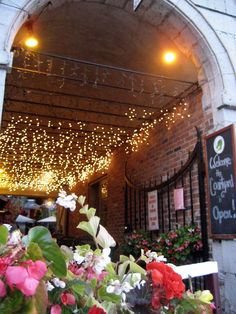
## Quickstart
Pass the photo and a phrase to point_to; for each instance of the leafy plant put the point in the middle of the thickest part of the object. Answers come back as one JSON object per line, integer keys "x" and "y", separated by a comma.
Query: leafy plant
{"x": 177, "y": 245}
{"x": 36, "y": 276}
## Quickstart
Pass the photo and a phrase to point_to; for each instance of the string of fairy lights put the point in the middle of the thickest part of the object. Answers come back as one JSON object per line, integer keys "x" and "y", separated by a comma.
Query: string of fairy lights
{"x": 63, "y": 69}
{"x": 35, "y": 158}
{"x": 45, "y": 154}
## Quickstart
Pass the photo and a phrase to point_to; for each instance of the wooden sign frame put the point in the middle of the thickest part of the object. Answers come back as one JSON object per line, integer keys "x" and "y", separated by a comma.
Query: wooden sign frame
{"x": 213, "y": 234}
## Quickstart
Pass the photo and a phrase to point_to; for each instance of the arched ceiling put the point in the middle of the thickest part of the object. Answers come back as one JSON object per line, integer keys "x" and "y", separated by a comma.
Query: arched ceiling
{"x": 107, "y": 34}
{"x": 61, "y": 124}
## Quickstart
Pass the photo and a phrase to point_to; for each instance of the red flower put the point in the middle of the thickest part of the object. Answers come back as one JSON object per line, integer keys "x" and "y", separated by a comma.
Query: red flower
{"x": 170, "y": 281}
{"x": 96, "y": 310}
{"x": 157, "y": 277}
{"x": 67, "y": 298}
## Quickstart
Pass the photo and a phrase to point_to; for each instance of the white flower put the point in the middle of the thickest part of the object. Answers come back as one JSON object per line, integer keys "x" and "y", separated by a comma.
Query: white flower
{"x": 67, "y": 201}
{"x": 50, "y": 287}
{"x": 118, "y": 288}
{"x": 101, "y": 261}
{"x": 153, "y": 256}
{"x": 88, "y": 260}
{"x": 62, "y": 284}
{"x": 134, "y": 280}
{"x": 58, "y": 283}
{"x": 15, "y": 237}
{"x": 78, "y": 258}
{"x": 126, "y": 287}
{"x": 81, "y": 200}
{"x": 161, "y": 258}
{"x": 8, "y": 226}
{"x": 62, "y": 194}
{"x": 114, "y": 287}
{"x": 104, "y": 239}
{"x": 74, "y": 196}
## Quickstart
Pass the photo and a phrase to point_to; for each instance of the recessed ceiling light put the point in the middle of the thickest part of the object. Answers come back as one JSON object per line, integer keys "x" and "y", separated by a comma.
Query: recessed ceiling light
{"x": 169, "y": 57}
{"x": 31, "y": 42}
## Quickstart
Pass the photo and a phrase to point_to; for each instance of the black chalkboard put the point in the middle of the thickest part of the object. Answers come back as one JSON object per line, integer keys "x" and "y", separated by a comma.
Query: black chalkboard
{"x": 221, "y": 183}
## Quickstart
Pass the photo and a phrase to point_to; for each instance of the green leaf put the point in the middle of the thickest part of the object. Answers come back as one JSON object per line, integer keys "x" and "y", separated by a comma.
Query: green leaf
{"x": 91, "y": 212}
{"x": 90, "y": 226}
{"x": 122, "y": 268}
{"x": 34, "y": 251}
{"x": 110, "y": 269}
{"x": 110, "y": 297}
{"x": 132, "y": 259}
{"x": 50, "y": 249}
{"x": 123, "y": 258}
{"x": 67, "y": 252}
{"x": 84, "y": 209}
{"x": 110, "y": 307}
{"x": 66, "y": 310}
{"x": 135, "y": 268}
{"x": 83, "y": 249}
{"x": 3, "y": 234}
{"x": 13, "y": 303}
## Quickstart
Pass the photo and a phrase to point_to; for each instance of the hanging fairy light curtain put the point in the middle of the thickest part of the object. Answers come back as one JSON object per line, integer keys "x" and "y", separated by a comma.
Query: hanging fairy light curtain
{"x": 43, "y": 153}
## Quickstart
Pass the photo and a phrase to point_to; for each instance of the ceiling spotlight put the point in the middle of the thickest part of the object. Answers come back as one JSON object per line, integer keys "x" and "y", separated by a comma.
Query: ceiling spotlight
{"x": 169, "y": 57}
{"x": 31, "y": 41}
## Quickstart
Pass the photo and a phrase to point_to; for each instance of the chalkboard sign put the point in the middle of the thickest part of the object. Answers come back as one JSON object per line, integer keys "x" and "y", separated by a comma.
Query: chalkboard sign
{"x": 221, "y": 183}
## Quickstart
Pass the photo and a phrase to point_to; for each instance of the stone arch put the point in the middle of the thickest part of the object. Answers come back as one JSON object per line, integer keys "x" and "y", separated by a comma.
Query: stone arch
{"x": 186, "y": 26}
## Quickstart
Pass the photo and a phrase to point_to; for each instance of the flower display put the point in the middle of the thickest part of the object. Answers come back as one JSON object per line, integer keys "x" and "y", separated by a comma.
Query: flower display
{"x": 36, "y": 276}
{"x": 176, "y": 245}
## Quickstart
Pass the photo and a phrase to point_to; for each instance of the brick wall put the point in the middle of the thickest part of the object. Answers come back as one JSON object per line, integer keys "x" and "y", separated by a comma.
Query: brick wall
{"x": 164, "y": 154}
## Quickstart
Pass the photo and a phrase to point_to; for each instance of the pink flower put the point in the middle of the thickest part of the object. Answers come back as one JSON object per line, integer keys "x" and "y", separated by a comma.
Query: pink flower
{"x": 55, "y": 309}
{"x": 16, "y": 275}
{"x": 28, "y": 287}
{"x": 2, "y": 289}
{"x": 26, "y": 279}
{"x": 37, "y": 270}
{"x": 212, "y": 306}
{"x": 67, "y": 298}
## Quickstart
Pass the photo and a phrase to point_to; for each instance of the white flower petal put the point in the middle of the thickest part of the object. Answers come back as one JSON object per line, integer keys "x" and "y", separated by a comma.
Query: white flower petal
{"x": 78, "y": 258}
{"x": 104, "y": 239}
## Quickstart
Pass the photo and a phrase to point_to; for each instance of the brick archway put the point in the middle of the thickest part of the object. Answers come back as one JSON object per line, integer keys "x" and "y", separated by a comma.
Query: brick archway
{"x": 180, "y": 21}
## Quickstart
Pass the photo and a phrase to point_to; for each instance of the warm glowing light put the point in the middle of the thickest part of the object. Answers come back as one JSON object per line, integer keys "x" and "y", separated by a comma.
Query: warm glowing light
{"x": 49, "y": 203}
{"x": 31, "y": 42}
{"x": 169, "y": 57}
{"x": 66, "y": 158}
{"x": 1, "y": 170}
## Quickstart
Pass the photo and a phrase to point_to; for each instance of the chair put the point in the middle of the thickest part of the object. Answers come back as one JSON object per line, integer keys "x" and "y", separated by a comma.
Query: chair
{"x": 210, "y": 272}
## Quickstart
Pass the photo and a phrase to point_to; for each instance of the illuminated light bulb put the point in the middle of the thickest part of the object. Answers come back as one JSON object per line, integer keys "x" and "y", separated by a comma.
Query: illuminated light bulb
{"x": 31, "y": 42}
{"x": 169, "y": 57}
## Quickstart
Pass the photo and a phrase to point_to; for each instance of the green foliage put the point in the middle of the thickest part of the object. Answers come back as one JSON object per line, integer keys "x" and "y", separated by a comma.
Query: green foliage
{"x": 13, "y": 303}
{"x": 110, "y": 297}
{"x": 177, "y": 245}
{"x": 34, "y": 252}
{"x": 90, "y": 226}
{"x": 50, "y": 250}
{"x": 3, "y": 234}
{"x": 134, "y": 242}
